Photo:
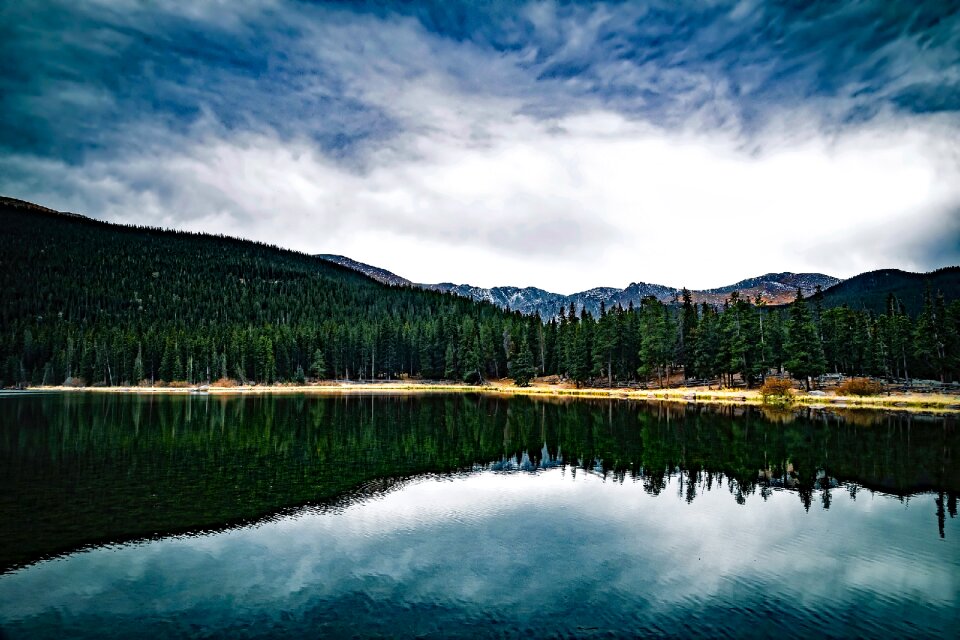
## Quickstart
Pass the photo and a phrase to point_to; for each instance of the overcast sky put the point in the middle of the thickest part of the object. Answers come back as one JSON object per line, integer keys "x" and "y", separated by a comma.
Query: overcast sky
{"x": 558, "y": 145}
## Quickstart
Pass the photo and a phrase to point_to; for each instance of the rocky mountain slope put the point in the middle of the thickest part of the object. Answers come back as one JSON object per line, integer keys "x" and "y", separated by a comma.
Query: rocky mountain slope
{"x": 378, "y": 274}
{"x": 776, "y": 288}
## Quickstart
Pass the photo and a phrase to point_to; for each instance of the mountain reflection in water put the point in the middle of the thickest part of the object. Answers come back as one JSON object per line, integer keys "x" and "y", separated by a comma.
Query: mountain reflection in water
{"x": 90, "y": 468}
{"x": 463, "y": 515}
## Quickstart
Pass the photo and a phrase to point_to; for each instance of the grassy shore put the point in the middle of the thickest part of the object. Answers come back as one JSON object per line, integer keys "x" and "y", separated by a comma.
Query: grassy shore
{"x": 895, "y": 401}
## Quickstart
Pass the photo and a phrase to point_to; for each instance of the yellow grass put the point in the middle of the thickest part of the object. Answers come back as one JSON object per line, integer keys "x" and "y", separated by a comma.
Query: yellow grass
{"x": 948, "y": 403}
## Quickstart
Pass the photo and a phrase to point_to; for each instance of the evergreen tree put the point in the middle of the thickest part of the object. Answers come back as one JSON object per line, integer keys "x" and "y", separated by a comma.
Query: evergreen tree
{"x": 751, "y": 360}
{"x": 580, "y": 364}
{"x": 899, "y": 331}
{"x": 318, "y": 365}
{"x": 472, "y": 361}
{"x": 166, "y": 361}
{"x": 928, "y": 345}
{"x": 803, "y": 348}
{"x": 656, "y": 339}
{"x": 604, "y": 344}
{"x": 265, "y": 360}
{"x": 450, "y": 368}
{"x": 177, "y": 371}
{"x": 687, "y": 341}
{"x": 522, "y": 368}
{"x": 707, "y": 351}
{"x": 952, "y": 338}
{"x": 138, "y": 366}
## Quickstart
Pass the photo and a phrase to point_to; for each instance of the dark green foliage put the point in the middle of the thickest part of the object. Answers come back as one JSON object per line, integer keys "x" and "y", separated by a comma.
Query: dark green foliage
{"x": 804, "y": 349}
{"x": 929, "y": 337}
{"x": 706, "y": 347}
{"x": 656, "y": 339}
{"x": 580, "y": 360}
{"x": 118, "y": 305}
{"x": 105, "y": 304}
{"x": 521, "y": 367}
{"x": 686, "y": 345}
{"x": 606, "y": 342}
{"x": 870, "y": 291}
{"x": 138, "y": 371}
{"x": 318, "y": 365}
{"x": 747, "y": 350}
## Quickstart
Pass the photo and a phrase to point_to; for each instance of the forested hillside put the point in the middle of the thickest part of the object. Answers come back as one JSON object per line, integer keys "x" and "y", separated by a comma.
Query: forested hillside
{"x": 112, "y": 304}
{"x": 94, "y": 303}
{"x": 871, "y": 290}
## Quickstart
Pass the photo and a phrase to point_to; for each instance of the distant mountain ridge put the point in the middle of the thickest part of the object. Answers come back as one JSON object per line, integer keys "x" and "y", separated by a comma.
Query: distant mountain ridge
{"x": 378, "y": 274}
{"x": 870, "y": 290}
{"x": 776, "y": 288}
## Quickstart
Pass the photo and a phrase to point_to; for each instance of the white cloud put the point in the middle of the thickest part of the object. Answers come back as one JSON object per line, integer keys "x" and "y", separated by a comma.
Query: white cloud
{"x": 476, "y": 185}
{"x": 587, "y": 200}
{"x": 460, "y": 540}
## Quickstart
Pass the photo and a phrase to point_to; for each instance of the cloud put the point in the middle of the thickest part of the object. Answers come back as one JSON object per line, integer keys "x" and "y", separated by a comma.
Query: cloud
{"x": 453, "y": 543}
{"x": 558, "y": 145}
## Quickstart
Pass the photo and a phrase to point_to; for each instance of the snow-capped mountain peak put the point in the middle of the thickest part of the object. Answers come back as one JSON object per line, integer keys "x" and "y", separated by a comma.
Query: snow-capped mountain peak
{"x": 775, "y": 288}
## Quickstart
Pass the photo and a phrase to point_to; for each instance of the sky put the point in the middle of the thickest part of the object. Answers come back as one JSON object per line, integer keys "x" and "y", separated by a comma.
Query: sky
{"x": 558, "y": 145}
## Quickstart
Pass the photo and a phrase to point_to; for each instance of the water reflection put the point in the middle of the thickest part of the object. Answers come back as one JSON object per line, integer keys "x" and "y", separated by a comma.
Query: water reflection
{"x": 517, "y": 553}
{"x": 93, "y": 468}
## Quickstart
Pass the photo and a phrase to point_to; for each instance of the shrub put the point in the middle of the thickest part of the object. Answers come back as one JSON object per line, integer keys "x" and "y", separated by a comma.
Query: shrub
{"x": 224, "y": 382}
{"x": 860, "y": 387}
{"x": 179, "y": 384}
{"x": 777, "y": 389}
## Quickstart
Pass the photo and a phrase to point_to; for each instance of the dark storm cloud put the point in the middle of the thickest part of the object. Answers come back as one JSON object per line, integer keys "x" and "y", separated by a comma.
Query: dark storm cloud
{"x": 84, "y": 73}
{"x": 757, "y": 55}
{"x": 76, "y": 73}
{"x": 116, "y": 108}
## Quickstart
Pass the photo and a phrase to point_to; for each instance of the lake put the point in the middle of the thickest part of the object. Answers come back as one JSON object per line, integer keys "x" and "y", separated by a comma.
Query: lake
{"x": 471, "y": 515}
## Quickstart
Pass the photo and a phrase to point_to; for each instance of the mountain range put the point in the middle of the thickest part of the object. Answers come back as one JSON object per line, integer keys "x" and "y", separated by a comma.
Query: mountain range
{"x": 776, "y": 288}
{"x": 869, "y": 290}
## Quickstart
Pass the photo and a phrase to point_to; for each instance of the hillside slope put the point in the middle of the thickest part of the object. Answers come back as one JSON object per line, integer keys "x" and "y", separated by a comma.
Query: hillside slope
{"x": 116, "y": 304}
{"x": 870, "y": 290}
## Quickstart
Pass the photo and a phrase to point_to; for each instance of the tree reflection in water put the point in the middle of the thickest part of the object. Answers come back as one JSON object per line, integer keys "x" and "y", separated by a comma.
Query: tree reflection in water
{"x": 82, "y": 469}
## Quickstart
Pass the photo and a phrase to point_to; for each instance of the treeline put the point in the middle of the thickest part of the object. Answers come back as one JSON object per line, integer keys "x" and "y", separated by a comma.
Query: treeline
{"x": 743, "y": 341}
{"x": 94, "y": 303}
{"x": 106, "y": 304}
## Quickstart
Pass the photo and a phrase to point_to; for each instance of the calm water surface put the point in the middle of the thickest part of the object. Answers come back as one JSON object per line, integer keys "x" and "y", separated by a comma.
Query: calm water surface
{"x": 471, "y": 516}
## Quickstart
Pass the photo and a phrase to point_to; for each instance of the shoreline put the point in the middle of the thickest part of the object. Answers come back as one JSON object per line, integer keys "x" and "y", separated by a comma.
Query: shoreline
{"x": 945, "y": 403}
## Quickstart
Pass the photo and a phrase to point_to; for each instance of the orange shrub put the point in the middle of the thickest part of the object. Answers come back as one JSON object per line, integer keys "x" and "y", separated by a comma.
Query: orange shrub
{"x": 860, "y": 387}
{"x": 224, "y": 382}
{"x": 776, "y": 389}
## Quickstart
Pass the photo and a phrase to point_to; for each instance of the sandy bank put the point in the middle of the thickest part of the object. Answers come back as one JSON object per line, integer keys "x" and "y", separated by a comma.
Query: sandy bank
{"x": 894, "y": 401}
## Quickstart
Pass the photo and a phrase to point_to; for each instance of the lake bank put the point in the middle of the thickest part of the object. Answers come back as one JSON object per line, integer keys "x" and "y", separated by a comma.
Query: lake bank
{"x": 897, "y": 401}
